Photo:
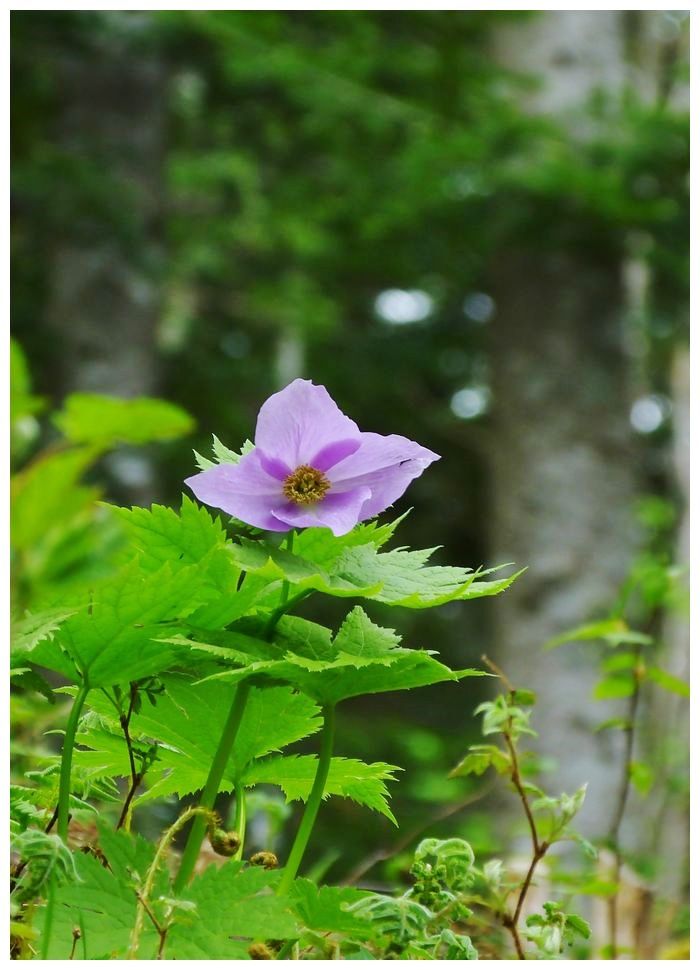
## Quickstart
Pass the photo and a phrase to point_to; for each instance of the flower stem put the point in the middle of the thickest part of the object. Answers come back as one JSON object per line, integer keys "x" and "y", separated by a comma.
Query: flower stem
{"x": 67, "y": 760}
{"x": 211, "y": 788}
{"x": 311, "y": 811}
{"x": 63, "y": 810}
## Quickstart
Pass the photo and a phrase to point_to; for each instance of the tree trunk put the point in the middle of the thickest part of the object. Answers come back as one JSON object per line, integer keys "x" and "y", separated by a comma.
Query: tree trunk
{"x": 104, "y": 298}
{"x": 562, "y": 468}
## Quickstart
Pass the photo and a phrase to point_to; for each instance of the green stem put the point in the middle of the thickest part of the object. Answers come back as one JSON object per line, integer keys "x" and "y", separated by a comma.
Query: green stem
{"x": 312, "y": 806}
{"x": 289, "y": 544}
{"x": 211, "y": 788}
{"x": 239, "y": 820}
{"x": 48, "y": 920}
{"x": 63, "y": 812}
{"x": 67, "y": 761}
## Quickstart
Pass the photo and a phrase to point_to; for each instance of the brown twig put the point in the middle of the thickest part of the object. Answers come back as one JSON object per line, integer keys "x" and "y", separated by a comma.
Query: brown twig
{"x": 539, "y": 848}
{"x": 162, "y": 931}
{"x": 136, "y": 776}
{"x": 382, "y": 854}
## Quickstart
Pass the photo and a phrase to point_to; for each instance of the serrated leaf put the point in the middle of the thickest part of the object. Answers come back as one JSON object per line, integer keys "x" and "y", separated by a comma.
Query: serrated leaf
{"x": 113, "y": 640}
{"x": 405, "y": 580}
{"x": 479, "y": 758}
{"x": 104, "y": 907}
{"x": 106, "y": 421}
{"x": 234, "y": 909}
{"x": 325, "y": 908}
{"x": 347, "y": 777}
{"x": 35, "y": 627}
{"x": 187, "y": 721}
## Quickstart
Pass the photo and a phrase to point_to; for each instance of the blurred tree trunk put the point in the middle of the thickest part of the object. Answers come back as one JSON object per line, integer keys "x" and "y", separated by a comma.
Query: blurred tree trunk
{"x": 104, "y": 298}
{"x": 562, "y": 466}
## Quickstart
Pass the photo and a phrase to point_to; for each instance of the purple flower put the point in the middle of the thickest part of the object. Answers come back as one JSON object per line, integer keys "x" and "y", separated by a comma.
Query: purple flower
{"x": 312, "y": 466}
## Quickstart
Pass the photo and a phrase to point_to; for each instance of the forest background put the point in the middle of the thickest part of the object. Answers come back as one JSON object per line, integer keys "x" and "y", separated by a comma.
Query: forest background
{"x": 472, "y": 228}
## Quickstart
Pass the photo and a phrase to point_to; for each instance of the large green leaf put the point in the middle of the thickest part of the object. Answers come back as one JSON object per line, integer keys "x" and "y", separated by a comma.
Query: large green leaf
{"x": 187, "y": 721}
{"x": 234, "y": 908}
{"x": 113, "y": 639}
{"x": 362, "y": 659}
{"x": 348, "y": 777}
{"x": 398, "y": 578}
{"x": 191, "y": 537}
{"x": 106, "y": 421}
{"x": 325, "y": 908}
{"x": 102, "y": 903}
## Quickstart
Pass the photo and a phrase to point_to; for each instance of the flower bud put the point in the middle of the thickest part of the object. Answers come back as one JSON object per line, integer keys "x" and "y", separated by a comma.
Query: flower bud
{"x": 224, "y": 843}
{"x": 260, "y": 951}
{"x": 268, "y": 860}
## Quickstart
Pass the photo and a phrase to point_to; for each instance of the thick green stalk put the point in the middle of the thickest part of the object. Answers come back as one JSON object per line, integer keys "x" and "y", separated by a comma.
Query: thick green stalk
{"x": 63, "y": 804}
{"x": 312, "y": 806}
{"x": 67, "y": 761}
{"x": 211, "y": 788}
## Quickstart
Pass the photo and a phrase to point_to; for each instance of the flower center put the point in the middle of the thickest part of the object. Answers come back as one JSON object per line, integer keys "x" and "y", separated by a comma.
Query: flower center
{"x": 305, "y": 485}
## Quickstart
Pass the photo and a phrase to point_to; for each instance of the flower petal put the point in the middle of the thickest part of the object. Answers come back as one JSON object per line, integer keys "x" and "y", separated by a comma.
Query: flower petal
{"x": 299, "y": 422}
{"x": 245, "y": 491}
{"x": 386, "y": 464}
{"x": 340, "y": 513}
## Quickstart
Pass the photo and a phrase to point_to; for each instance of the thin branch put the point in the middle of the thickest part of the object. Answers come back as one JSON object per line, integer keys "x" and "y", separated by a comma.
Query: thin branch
{"x": 136, "y": 776}
{"x": 443, "y": 813}
{"x": 144, "y": 895}
{"x": 539, "y": 848}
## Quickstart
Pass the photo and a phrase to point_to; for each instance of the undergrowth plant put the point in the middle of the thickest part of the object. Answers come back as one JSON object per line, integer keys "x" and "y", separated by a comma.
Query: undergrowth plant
{"x": 188, "y": 673}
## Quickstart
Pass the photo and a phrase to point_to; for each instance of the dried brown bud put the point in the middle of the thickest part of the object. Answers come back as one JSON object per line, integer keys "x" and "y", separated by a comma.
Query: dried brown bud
{"x": 268, "y": 860}
{"x": 260, "y": 951}
{"x": 224, "y": 843}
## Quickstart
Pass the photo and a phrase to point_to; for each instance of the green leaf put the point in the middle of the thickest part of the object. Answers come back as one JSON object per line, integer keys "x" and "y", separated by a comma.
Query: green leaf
{"x": 479, "y": 758}
{"x": 613, "y": 630}
{"x": 642, "y": 777}
{"x": 46, "y": 493}
{"x": 187, "y": 722}
{"x": 668, "y": 681}
{"x": 398, "y": 578}
{"x": 612, "y": 688}
{"x": 310, "y": 660}
{"x": 234, "y": 909}
{"x": 103, "y": 905}
{"x": 106, "y": 421}
{"x": 620, "y": 723}
{"x": 349, "y": 778}
{"x": 161, "y": 535}
{"x": 325, "y": 908}
{"x": 578, "y": 925}
{"x": 113, "y": 640}
{"x": 405, "y": 580}
{"x": 35, "y": 627}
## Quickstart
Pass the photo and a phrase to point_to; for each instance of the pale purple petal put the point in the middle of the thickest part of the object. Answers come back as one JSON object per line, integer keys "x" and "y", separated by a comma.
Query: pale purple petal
{"x": 300, "y": 421}
{"x": 340, "y": 512}
{"x": 245, "y": 491}
{"x": 331, "y": 454}
{"x": 386, "y": 464}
